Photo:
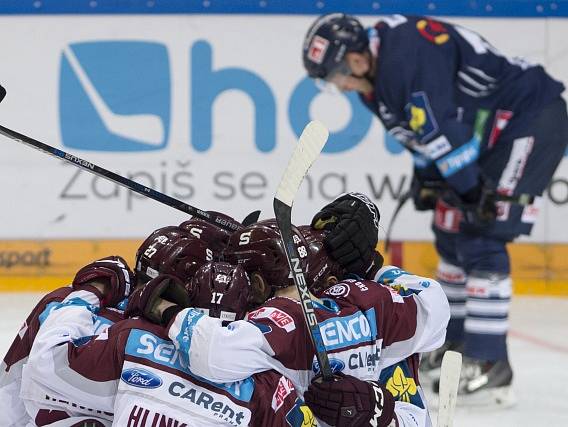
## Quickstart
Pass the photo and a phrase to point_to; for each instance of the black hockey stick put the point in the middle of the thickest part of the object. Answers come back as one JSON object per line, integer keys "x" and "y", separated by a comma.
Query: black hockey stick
{"x": 221, "y": 221}
{"x": 522, "y": 199}
{"x": 309, "y": 146}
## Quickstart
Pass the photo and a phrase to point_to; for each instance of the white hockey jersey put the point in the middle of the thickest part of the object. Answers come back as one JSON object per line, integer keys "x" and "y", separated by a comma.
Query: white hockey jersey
{"x": 366, "y": 326}
{"x": 132, "y": 375}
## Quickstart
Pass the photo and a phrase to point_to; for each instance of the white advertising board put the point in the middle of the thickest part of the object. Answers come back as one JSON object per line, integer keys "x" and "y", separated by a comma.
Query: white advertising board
{"x": 206, "y": 109}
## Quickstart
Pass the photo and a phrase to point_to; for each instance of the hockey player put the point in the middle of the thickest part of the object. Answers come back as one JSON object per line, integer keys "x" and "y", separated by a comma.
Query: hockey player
{"x": 479, "y": 126}
{"x": 134, "y": 372}
{"x": 116, "y": 270}
{"x": 113, "y": 269}
{"x": 366, "y": 326}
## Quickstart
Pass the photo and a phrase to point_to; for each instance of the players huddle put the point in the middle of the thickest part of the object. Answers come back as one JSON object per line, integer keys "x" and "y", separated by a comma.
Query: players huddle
{"x": 207, "y": 329}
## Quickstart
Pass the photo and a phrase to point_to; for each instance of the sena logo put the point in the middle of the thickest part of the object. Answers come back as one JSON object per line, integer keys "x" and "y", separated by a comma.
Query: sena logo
{"x": 277, "y": 316}
{"x": 141, "y": 378}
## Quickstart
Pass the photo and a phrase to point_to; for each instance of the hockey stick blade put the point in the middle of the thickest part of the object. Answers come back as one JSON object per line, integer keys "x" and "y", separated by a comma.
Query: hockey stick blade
{"x": 311, "y": 143}
{"x": 218, "y": 220}
{"x": 449, "y": 382}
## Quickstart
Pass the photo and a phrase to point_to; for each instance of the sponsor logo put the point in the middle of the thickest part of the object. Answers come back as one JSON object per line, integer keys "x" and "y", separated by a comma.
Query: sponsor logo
{"x": 433, "y": 31}
{"x": 124, "y": 114}
{"x": 141, "y": 417}
{"x": 446, "y": 217}
{"x": 220, "y": 409}
{"x": 400, "y": 386}
{"x": 364, "y": 359}
{"x": 283, "y": 390}
{"x": 150, "y": 347}
{"x": 339, "y": 332}
{"x": 459, "y": 158}
{"x": 502, "y": 118}
{"x": 391, "y": 275}
{"x": 379, "y": 404}
{"x": 9, "y": 259}
{"x": 436, "y": 148}
{"x": 395, "y": 296}
{"x": 339, "y": 290}
{"x": 140, "y": 378}
{"x": 317, "y": 49}
{"x": 278, "y": 317}
{"x": 336, "y": 365}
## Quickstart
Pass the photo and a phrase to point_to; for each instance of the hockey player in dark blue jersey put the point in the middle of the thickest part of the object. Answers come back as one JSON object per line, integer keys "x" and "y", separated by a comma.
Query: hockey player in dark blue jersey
{"x": 482, "y": 128}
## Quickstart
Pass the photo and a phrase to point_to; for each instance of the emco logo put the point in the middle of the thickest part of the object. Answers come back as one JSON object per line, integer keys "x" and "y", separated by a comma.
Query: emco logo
{"x": 115, "y": 96}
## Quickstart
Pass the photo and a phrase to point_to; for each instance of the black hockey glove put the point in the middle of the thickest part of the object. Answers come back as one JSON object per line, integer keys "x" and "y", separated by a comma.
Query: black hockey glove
{"x": 349, "y": 401}
{"x": 111, "y": 271}
{"x": 144, "y": 301}
{"x": 479, "y": 207}
{"x": 425, "y": 193}
{"x": 353, "y": 222}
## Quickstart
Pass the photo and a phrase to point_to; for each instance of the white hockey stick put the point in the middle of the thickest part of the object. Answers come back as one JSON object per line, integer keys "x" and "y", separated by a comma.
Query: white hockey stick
{"x": 449, "y": 381}
{"x": 144, "y": 128}
{"x": 309, "y": 146}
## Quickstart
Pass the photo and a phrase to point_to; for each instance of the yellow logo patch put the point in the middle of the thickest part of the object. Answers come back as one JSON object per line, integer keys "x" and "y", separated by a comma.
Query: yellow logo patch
{"x": 418, "y": 118}
{"x": 400, "y": 386}
{"x": 321, "y": 223}
{"x": 309, "y": 419}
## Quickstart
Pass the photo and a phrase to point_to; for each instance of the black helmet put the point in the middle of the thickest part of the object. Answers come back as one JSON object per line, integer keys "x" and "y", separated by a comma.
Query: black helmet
{"x": 328, "y": 40}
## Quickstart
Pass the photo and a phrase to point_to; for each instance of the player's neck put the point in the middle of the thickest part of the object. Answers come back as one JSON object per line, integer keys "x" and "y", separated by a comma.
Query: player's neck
{"x": 292, "y": 293}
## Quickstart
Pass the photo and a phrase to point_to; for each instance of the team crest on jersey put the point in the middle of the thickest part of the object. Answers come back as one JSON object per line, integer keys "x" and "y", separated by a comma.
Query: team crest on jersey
{"x": 339, "y": 290}
{"x": 317, "y": 49}
{"x": 433, "y": 31}
{"x": 278, "y": 317}
{"x": 420, "y": 116}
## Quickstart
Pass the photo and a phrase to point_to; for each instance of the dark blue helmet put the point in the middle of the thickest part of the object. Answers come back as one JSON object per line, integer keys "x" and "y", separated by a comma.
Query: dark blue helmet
{"x": 328, "y": 40}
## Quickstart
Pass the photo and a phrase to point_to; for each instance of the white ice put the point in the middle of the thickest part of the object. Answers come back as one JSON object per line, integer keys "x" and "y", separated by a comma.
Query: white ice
{"x": 538, "y": 346}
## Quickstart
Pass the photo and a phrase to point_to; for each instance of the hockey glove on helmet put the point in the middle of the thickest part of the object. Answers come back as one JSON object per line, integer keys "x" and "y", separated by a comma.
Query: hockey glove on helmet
{"x": 145, "y": 301}
{"x": 113, "y": 272}
{"x": 353, "y": 222}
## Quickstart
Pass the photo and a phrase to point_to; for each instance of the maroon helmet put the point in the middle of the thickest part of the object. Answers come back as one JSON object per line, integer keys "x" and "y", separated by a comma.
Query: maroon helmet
{"x": 171, "y": 250}
{"x": 320, "y": 265}
{"x": 221, "y": 290}
{"x": 259, "y": 249}
{"x": 216, "y": 237}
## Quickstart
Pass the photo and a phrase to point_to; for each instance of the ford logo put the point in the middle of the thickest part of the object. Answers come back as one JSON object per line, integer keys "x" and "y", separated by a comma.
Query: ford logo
{"x": 336, "y": 365}
{"x": 140, "y": 378}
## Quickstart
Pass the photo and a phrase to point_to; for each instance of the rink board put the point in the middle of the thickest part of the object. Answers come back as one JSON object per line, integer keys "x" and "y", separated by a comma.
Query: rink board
{"x": 538, "y": 269}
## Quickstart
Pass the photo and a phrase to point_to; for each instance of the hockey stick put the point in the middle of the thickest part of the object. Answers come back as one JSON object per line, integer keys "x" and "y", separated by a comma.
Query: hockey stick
{"x": 309, "y": 146}
{"x": 448, "y": 392}
{"x": 221, "y": 221}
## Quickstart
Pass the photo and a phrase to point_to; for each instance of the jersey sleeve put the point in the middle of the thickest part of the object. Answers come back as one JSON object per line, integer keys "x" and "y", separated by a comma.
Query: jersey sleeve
{"x": 223, "y": 354}
{"x": 416, "y": 317}
{"x": 70, "y": 368}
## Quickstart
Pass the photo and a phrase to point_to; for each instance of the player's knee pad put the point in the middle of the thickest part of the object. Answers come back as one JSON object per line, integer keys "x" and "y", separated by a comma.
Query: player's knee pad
{"x": 482, "y": 253}
{"x": 453, "y": 280}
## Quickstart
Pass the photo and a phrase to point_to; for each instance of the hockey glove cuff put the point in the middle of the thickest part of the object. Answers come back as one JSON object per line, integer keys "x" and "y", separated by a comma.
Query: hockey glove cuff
{"x": 113, "y": 272}
{"x": 349, "y": 401}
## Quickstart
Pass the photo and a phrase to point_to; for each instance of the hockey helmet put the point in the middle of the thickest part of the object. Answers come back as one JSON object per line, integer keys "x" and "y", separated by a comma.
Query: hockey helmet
{"x": 259, "y": 249}
{"x": 215, "y": 236}
{"x": 221, "y": 290}
{"x": 171, "y": 250}
{"x": 320, "y": 264}
{"x": 327, "y": 42}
